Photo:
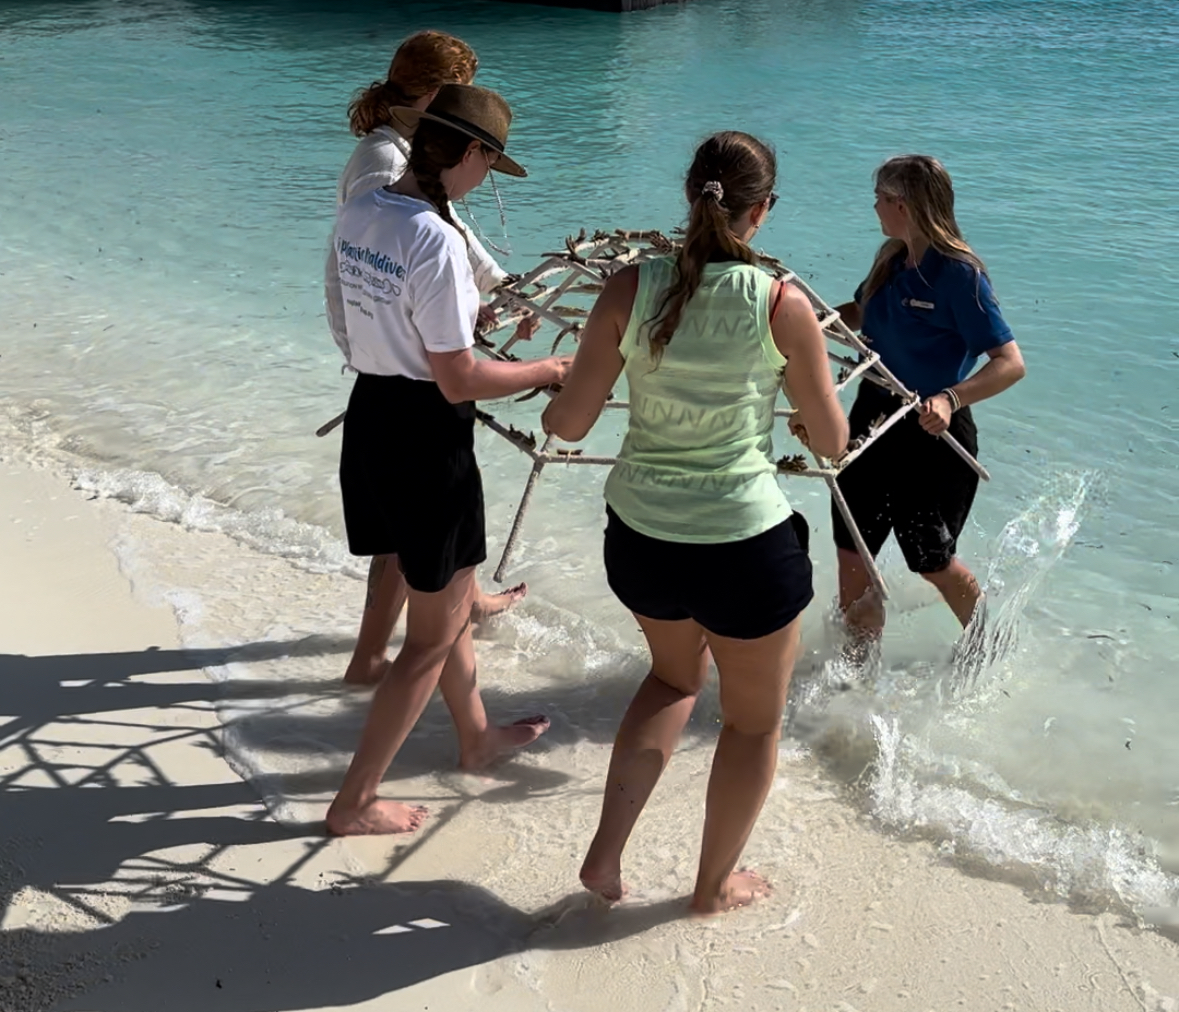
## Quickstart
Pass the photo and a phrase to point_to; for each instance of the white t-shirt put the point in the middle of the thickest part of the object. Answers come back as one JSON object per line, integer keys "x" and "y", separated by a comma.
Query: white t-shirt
{"x": 380, "y": 158}
{"x": 404, "y": 285}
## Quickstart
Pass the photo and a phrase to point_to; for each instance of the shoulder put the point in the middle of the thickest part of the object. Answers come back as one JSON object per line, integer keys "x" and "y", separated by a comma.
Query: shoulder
{"x": 790, "y": 299}
{"x": 383, "y": 141}
{"x": 360, "y": 205}
{"x": 618, "y": 294}
{"x": 959, "y": 275}
{"x": 423, "y": 224}
{"x": 377, "y": 159}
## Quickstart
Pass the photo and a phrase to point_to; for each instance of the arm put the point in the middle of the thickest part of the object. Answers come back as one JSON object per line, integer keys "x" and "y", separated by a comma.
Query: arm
{"x": 441, "y": 290}
{"x": 462, "y": 377}
{"x": 333, "y": 299}
{"x": 981, "y": 324}
{"x": 1004, "y": 370}
{"x": 851, "y": 314}
{"x": 488, "y": 274}
{"x": 598, "y": 364}
{"x": 808, "y": 374}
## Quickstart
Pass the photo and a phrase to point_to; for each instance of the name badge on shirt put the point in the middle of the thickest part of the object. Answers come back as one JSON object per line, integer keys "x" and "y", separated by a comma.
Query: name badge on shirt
{"x": 917, "y": 304}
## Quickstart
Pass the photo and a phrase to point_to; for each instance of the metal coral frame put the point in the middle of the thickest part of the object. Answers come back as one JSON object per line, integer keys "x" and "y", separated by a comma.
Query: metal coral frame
{"x": 579, "y": 271}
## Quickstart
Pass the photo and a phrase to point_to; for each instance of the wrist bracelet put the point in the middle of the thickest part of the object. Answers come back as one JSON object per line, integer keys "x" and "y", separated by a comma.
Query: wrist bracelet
{"x": 955, "y": 403}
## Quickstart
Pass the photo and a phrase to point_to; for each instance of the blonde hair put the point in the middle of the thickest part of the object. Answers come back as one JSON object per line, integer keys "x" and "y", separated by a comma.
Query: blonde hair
{"x": 731, "y": 173}
{"x": 423, "y": 62}
{"x": 923, "y": 183}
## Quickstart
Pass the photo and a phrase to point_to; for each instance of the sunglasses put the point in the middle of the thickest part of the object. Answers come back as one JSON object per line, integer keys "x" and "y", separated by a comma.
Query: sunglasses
{"x": 773, "y": 201}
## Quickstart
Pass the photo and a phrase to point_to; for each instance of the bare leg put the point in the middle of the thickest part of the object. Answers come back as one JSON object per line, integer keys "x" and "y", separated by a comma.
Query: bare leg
{"x": 479, "y": 742}
{"x": 436, "y": 622}
{"x": 959, "y": 588}
{"x": 863, "y": 610}
{"x": 383, "y": 602}
{"x": 646, "y": 739}
{"x": 754, "y": 677}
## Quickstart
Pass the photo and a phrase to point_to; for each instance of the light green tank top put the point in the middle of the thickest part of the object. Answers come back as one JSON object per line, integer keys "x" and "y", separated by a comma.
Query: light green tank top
{"x": 697, "y": 462}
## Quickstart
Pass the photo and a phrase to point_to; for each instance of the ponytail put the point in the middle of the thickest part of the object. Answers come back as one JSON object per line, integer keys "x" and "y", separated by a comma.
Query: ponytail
{"x": 731, "y": 173}
{"x": 422, "y": 64}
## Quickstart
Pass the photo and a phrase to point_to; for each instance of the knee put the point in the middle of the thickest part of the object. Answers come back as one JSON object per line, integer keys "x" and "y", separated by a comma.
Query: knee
{"x": 753, "y": 726}
{"x": 939, "y": 575}
{"x": 687, "y": 688}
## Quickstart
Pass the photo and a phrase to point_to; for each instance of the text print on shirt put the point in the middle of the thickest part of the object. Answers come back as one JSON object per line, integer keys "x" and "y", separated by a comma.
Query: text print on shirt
{"x": 374, "y": 258}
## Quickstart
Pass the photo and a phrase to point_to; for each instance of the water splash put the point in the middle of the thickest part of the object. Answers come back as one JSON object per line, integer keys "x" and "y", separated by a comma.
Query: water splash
{"x": 1024, "y": 553}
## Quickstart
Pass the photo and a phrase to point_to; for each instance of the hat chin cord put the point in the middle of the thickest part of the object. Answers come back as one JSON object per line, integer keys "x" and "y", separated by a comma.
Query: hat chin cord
{"x": 503, "y": 218}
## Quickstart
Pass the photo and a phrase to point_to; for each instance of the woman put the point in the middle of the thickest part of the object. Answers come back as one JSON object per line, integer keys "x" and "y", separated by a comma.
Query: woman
{"x": 701, "y": 545}
{"x": 927, "y": 308}
{"x": 408, "y": 474}
{"x": 422, "y": 64}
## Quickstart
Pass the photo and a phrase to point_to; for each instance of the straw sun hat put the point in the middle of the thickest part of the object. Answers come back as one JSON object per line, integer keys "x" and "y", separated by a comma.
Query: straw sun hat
{"x": 477, "y": 112}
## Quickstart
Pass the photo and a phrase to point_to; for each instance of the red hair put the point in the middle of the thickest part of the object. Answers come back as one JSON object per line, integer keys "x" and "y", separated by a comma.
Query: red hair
{"x": 423, "y": 62}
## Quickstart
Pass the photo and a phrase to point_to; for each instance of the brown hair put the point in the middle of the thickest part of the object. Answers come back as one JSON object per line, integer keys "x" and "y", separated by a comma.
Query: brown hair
{"x": 423, "y": 62}
{"x": 731, "y": 173}
{"x": 437, "y": 147}
{"x": 923, "y": 183}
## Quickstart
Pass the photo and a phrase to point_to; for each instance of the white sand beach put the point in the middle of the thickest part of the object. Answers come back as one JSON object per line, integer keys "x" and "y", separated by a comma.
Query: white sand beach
{"x": 140, "y": 872}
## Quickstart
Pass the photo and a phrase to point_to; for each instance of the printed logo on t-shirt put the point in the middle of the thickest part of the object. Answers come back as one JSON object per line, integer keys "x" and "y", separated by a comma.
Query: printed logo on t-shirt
{"x": 917, "y": 304}
{"x": 353, "y": 259}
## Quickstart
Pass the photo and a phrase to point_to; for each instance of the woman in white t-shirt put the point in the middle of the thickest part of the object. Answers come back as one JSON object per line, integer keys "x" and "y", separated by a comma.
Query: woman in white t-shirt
{"x": 422, "y": 64}
{"x": 410, "y": 482}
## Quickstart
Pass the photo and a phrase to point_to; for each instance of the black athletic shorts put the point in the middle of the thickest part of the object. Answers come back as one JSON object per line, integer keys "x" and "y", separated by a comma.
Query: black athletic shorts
{"x": 909, "y": 483}
{"x": 409, "y": 479}
{"x": 741, "y": 589}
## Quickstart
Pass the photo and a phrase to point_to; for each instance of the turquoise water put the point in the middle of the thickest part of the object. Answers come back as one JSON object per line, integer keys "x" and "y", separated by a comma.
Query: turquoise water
{"x": 168, "y": 190}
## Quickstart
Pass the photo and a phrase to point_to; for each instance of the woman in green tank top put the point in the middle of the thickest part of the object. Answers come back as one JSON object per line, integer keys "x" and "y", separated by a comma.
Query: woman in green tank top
{"x": 701, "y": 544}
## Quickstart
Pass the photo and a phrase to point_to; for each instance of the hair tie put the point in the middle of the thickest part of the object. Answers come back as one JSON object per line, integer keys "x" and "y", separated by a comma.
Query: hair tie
{"x": 713, "y": 189}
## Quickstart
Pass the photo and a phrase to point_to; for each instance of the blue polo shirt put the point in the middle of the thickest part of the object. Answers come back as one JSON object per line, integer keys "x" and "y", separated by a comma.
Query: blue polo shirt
{"x": 930, "y": 324}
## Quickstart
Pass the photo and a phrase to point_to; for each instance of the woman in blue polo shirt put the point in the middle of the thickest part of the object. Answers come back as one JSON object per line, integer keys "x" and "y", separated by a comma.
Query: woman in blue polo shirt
{"x": 927, "y": 308}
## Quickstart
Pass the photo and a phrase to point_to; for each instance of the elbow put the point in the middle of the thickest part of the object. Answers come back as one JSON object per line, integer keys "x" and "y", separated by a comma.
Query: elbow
{"x": 455, "y": 393}
{"x": 456, "y": 388}
{"x": 832, "y": 445}
{"x": 557, "y": 422}
{"x": 567, "y": 431}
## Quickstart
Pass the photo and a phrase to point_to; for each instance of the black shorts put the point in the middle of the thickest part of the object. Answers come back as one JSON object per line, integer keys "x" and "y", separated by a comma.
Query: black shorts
{"x": 909, "y": 483}
{"x": 741, "y": 589}
{"x": 410, "y": 482}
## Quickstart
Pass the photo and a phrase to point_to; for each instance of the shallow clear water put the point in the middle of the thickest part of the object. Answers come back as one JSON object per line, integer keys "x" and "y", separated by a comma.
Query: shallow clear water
{"x": 168, "y": 191}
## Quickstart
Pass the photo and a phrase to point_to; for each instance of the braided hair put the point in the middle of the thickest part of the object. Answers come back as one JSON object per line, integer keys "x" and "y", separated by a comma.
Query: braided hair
{"x": 437, "y": 147}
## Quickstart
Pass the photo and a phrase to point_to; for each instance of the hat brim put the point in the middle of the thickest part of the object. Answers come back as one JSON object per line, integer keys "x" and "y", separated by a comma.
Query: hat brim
{"x": 504, "y": 163}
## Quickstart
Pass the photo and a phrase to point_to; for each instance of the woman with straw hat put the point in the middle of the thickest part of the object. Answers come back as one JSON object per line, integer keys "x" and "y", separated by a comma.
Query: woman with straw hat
{"x": 423, "y": 63}
{"x": 410, "y": 482}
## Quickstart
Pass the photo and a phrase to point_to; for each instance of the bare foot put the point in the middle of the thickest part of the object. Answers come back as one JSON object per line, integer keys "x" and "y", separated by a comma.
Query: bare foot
{"x": 375, "y": 818}
{"x": 604, "y": 880}
{"x": 500, "y": 740}
{"x": 366, "y": 674}
{"x": 488, "y": 605}
{"x": 739, "y": 890}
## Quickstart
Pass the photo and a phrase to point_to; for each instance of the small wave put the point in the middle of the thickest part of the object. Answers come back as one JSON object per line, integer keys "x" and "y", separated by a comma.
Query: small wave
{"x": 980, "y": 820}
{"x": 875, "y": 724}
{"x": 267, "y": 530}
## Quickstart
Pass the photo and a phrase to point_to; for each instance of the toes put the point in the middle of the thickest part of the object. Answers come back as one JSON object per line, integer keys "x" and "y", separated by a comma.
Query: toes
{"x": 540, "y": 720}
